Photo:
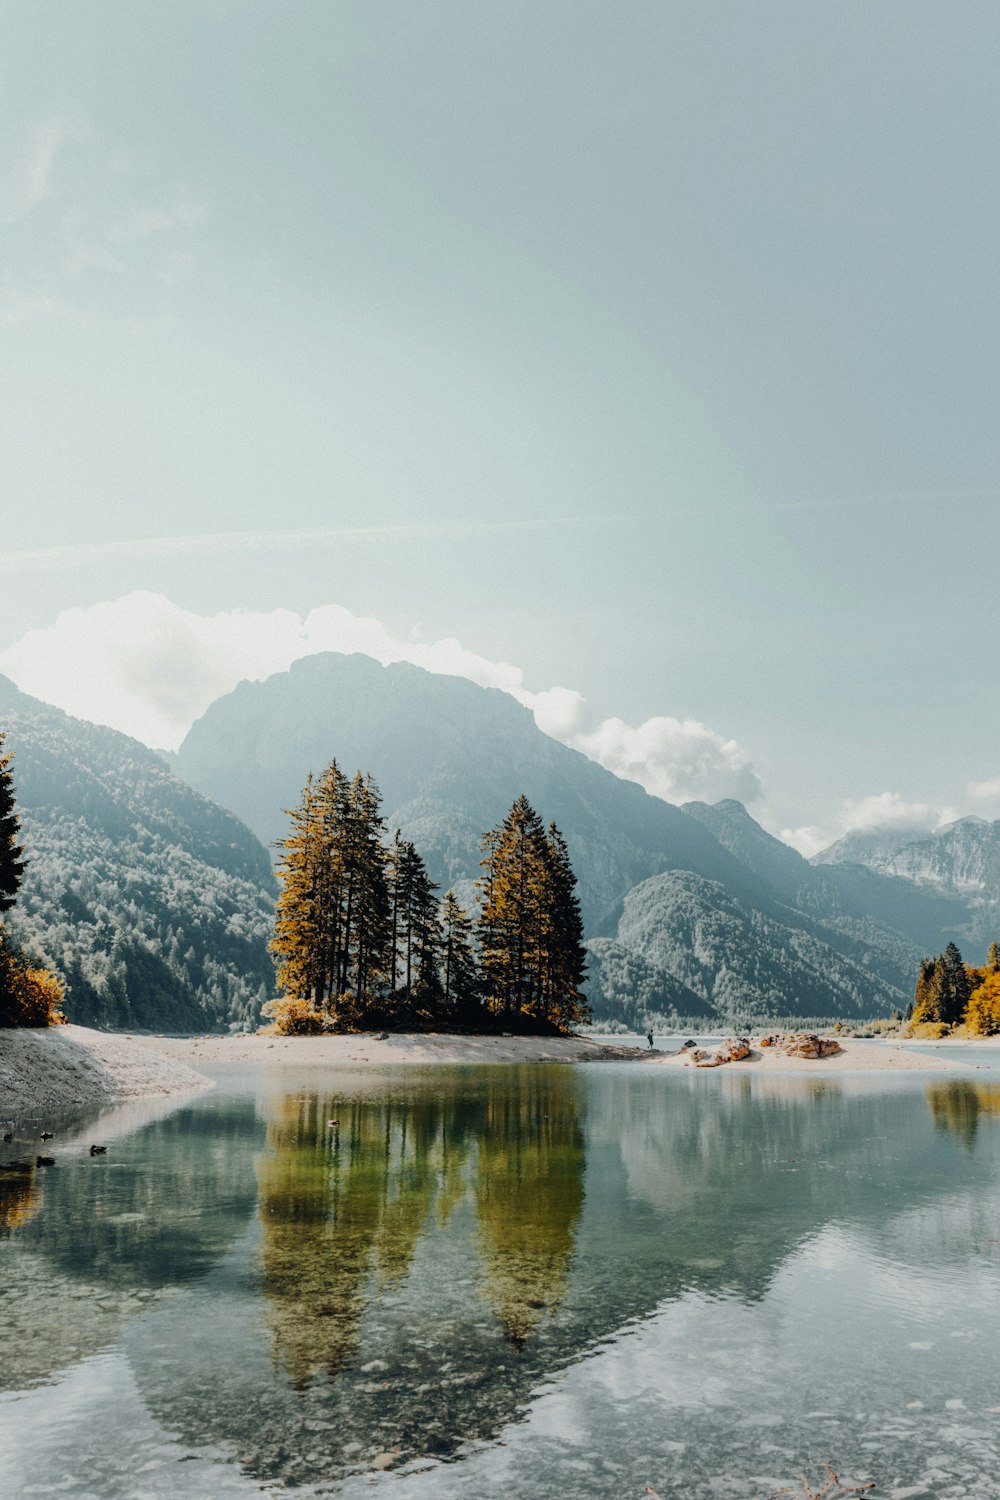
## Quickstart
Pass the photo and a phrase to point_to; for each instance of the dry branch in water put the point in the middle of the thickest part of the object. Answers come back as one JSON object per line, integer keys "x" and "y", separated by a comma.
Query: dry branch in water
{"x": 833, "y": 1489}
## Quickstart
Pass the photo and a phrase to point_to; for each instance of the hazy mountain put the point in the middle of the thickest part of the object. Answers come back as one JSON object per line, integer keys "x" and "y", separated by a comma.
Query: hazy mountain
{"x": 959, "y": 863}
{"x": 883, "y": 909}
{"x": 864, "y": 846}
{"x": 153, "y": 903}
{"x": 450, "y": 758}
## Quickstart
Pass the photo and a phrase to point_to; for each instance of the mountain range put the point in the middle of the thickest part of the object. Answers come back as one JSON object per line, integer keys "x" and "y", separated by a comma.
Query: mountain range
{"x": 151, "y": 888}
{"x": 692, "y": 911}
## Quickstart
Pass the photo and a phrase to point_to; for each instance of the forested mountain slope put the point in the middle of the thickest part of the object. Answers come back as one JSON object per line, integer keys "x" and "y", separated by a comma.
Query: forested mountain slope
{"x": 153, "y": 903}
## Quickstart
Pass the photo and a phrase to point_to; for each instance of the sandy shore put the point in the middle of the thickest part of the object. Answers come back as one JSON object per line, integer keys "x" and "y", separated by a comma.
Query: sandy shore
{"x": 398, "y": 1047}
{"x": 424, "y": 1048}
{"x": 70, "y": 1069}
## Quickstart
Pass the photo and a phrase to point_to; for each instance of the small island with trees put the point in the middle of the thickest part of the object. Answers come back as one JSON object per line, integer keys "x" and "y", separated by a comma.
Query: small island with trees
{"x": 362, "y": 942}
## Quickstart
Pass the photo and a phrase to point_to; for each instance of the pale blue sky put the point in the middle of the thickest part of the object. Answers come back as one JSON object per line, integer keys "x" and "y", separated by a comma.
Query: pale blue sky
{"x": 699, "y": 301}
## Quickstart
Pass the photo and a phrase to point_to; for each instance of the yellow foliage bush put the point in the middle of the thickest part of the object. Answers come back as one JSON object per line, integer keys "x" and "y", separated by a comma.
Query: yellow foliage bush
{"x": 28, "y": 997}
{"x": 982, "y": 1015}
{"x": 293, "y": 1016}
{"x": 928, "y": 1031}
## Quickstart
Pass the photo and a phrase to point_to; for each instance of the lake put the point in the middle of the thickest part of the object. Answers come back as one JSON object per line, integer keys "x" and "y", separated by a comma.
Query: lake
{"x": 538, "y": 1281}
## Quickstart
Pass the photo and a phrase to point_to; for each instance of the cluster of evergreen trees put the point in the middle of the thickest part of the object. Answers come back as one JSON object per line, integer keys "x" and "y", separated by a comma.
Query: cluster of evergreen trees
{"x": 362, "y": 940}
{"x": 951, "y": 993}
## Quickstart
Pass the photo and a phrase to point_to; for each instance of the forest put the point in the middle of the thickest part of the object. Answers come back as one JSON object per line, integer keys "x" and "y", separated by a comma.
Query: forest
{"x": 951, "y": 994}
{"x": 362, "y": 939}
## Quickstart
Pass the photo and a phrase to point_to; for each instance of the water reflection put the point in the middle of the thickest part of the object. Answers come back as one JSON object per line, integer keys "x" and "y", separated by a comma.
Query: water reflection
{"x": 347, "y": 1186}
{"x": 313, "y": 1301}
{"x": 20, "y": 1198}
{"x": 958, "y": 1106}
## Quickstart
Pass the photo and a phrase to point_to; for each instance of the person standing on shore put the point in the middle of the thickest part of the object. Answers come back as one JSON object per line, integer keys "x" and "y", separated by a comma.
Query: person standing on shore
{"x": 649, "y": 1039}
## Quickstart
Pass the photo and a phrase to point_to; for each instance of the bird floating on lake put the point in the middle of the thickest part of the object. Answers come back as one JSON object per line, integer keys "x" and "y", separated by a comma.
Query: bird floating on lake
{"x": 98, "y": 1150}
{"x": 46, "y": 1135}
{"x": 9, "y": 1136}
{"x": 45, "y": 1161}
{"x": 333, "y": 1124}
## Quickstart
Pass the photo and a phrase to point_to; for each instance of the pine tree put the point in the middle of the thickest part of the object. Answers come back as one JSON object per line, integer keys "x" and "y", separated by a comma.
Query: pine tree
{"x": 955, "y": 996}
{"x": 928, "y": 999}
{"x": 993, "y": 957}
{"x": 12, "y": 862}
{"x": 459, "y": 970}
{"x": 416, "y": 930}
{"x": 298, "y": 931}
{"x": 530, "y": 929}
{"x": 565, "y": 954}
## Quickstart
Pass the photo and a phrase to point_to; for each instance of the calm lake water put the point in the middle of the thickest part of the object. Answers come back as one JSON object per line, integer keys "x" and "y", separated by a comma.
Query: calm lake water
{"x": 541, "y": 1282}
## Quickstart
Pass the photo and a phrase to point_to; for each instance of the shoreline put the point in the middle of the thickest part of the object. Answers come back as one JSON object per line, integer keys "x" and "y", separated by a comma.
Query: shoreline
{"x": 446, "y": 1048}
{"x": 73, "y": 1069}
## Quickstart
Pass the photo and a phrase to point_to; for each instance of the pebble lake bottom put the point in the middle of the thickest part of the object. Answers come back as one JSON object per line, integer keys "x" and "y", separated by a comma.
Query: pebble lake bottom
{"x": 530, "y": 1281}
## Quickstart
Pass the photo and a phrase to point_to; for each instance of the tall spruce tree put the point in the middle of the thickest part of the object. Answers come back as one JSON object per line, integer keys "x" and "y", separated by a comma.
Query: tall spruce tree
{"x": 459, "y": 970}
{"x": 12, "y": 861}
{"x": 530, "y": 931}
{"x": 956, "y": 988}
{"x": 332, "y": 925}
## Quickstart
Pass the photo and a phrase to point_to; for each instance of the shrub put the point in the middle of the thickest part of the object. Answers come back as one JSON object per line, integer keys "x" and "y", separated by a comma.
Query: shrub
{"x": 292, "y": 1016}
{"x": 28, "y": 997}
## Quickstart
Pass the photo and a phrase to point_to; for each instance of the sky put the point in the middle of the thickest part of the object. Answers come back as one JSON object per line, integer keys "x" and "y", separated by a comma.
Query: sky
{"x": 641, "y": 361}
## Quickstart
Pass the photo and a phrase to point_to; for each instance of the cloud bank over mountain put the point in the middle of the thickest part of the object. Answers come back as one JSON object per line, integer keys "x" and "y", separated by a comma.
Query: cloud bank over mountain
{"x": 143, "y": 665}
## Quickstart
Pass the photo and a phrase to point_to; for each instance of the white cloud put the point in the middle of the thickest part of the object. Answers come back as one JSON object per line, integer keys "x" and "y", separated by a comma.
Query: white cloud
{"x": 888, "y": 810}
{"x": 986, "y": 794}
{"x": 808, "y": 840}
{"x": 679, "y": 760}
{"x": 29, "y": 184}
{"x": 143, "y": 665}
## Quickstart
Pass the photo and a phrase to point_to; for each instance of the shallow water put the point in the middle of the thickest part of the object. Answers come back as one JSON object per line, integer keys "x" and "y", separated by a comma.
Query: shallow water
{"x": 531, "y": 1281}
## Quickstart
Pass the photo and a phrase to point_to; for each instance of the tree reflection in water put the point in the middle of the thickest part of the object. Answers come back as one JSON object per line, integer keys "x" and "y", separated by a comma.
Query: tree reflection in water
{"x": 342, "y": 1208}
{"x": 20, "y": 1199}
{"x": 958, "y": 1106}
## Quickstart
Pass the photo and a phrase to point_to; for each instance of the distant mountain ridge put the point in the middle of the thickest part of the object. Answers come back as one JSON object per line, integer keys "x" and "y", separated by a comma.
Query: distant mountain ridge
{"x": 154, "y": 903}
{"x": 961, "y": 862}
{"x": 450, "y": 757}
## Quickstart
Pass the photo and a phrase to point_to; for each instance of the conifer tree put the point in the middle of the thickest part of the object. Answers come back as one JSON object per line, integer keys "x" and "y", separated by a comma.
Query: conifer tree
{"x": 12, "y": 862}
{"x": 299, "y": 928}
{"x": 928, "y": 999}
{"x": 993, "y": 957}
{"x": 459, "y": 970}
{"x": 565, "y": 955}
{"x": 955, "y": 995}
{"x": 530, "y": 931}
